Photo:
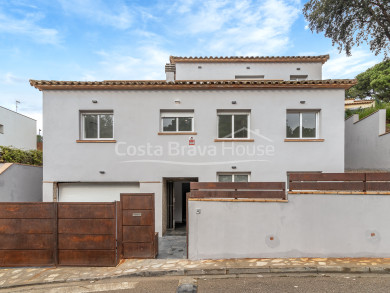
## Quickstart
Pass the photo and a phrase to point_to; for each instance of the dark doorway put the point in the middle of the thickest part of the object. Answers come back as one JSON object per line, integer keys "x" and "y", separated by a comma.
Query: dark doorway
{"x": 176, "y": 190}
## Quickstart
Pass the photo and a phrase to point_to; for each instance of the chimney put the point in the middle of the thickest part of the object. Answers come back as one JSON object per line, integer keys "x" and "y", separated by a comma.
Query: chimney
{"x": 170, "y": 71}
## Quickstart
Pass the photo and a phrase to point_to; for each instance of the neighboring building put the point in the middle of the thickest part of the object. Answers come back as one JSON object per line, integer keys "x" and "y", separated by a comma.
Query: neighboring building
{"x": 17, "y": 130}
{"x": 225, "y": 119}
{"x": 367, "y": 143}
{"x": 20, "y": 183}
{"x": 353, "y": 104}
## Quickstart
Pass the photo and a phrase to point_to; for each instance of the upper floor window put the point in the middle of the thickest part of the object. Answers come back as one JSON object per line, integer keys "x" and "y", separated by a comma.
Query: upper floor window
{"x": 97, "y": 125}
{"x": 1, "y": 128}
{"x": 298, "y": 77}
{"x": 233, "y": 124}
{"x": 233, "y": 177}
{"x": 182, "y": 121}
{"x": 302, "y": 124}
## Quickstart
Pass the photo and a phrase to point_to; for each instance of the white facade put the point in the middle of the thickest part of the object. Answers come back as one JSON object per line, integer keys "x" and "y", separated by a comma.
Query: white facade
{"x": 17, "y": 130}
{"x": 231, "y": 71}
{"x": 142, "y": 155}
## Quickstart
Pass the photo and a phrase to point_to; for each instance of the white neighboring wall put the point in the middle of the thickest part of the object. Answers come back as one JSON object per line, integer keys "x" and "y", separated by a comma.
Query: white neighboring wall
{"x": 367, "y": 145}
{"x": 310, "y": 225}
{"x": 229, "y": 71}
{"x": 17, "y": 130}
{"x": 20, "y": 183}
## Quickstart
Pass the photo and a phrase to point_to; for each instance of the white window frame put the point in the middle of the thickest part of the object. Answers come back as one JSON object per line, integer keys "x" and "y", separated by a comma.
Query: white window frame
{"x": 233, "y": 174}
{"x": 82, "y": 114}
{"x": 300, "y": 112}
{"x": 221, "y": 113}
{"x": 177, "y": 115}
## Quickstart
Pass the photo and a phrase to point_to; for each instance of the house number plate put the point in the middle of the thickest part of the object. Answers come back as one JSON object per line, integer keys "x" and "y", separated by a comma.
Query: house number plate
{"x": 137, "y": 214}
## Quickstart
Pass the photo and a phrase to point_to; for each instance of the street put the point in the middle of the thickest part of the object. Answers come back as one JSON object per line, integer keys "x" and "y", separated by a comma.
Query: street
{"x": 244, "y": 283}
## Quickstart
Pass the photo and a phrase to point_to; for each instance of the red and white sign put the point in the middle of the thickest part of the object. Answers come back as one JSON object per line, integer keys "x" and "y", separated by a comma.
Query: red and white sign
{"x": 191, "y": 141}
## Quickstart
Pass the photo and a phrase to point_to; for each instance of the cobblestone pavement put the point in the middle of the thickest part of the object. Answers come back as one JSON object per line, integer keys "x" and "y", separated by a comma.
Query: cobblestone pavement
{"x": 14, "y": 277}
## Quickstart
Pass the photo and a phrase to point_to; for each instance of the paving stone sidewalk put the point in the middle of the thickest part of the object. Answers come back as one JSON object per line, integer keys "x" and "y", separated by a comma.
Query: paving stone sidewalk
{"x": 15, "y": 277}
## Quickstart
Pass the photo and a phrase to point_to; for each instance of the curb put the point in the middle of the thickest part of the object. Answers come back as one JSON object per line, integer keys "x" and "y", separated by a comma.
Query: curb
{"x": 223, "y": 271}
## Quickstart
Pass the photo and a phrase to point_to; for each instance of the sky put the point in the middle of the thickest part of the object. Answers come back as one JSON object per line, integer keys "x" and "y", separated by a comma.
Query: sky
{"x": 124, "y": 39}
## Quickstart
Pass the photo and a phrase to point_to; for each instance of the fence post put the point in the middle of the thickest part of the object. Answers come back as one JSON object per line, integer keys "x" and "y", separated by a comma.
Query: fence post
{"x": 55, "y": 220}
{"x": 119, "y": 227}
{"x": 365, "y": 182}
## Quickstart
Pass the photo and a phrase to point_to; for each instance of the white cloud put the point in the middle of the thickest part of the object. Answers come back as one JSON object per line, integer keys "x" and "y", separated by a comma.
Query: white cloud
{"x": 147, "y": 62}
{"x": 241, "y": 27}
{"x": 341, "y": 66}
{"x": 28, "y": 27}
{"x": 115, "y": 14}
{"x": 9, "y": 78}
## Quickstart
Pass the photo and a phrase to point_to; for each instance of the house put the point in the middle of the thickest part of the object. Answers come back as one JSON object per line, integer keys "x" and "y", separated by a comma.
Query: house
{"x": 230, "y": 119}
{"x": 17, "y": 130}
{"x": 353, "y": 104}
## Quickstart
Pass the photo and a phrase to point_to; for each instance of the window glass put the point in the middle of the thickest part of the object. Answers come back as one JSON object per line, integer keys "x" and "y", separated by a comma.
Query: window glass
{"x": 90, "y": 126}
{"x": 225, "y": 126}
{"x": 308, "y": 124}
{"x": 225, "y": 178}
{"x": 106, "y": 126}
{"x": 185, "y": 124}
{"x": 292, "y": 125}
{"x": 169, "y": 124}
{"x": 240, "y": 126}
{"x": 240, "y": 178}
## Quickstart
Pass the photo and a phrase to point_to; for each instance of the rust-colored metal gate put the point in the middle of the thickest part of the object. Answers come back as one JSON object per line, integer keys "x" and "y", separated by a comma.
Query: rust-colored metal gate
{"x": 77, "y": 234}
{"x": 138, "y": 235}
{"x": 87, "y": 234}
{"x": 27, "y": 234}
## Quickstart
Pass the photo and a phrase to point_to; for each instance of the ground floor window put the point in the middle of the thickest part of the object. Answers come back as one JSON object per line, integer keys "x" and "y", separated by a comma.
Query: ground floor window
{"x": 233, "y": 177}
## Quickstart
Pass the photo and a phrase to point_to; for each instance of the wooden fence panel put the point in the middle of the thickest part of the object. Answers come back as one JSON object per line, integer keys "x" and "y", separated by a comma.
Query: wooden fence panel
{"x": 238, "y": 185}
{"x": 361, "y": 182}
{"x": 274, "y": 190}
{"x": 345, "y": 186}
{"x": 87, "y": 234}
{"x": 327, "y": 176}
{"x": 27, "y": 234}
{"x": 237, "y": 194}
{"x": 378, "y": 176}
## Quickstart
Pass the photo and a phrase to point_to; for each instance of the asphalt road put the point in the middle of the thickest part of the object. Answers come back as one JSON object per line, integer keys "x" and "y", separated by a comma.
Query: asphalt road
{"x": 226, "y": 284}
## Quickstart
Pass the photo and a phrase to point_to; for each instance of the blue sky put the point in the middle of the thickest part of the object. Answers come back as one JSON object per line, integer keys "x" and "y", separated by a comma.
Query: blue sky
{"x": 123, "y": 39}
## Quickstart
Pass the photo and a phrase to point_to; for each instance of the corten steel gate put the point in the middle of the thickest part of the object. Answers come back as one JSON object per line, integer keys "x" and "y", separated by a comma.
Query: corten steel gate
{"x": 87, "y": 234}
{"x": 27, "y": 234}
{"x": 77, "y": 234}
{"x": 139, "y": 237}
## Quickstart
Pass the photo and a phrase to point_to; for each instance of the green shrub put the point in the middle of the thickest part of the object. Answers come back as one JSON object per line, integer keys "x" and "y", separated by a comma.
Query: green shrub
{"x": 368, "y": 111}
{"x": 14, "y": 155}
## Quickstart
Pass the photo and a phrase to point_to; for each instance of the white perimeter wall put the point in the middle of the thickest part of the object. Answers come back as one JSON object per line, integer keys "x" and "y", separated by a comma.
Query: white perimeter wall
{"x": 319, "y": 225}
{"x": 366, "y": 148}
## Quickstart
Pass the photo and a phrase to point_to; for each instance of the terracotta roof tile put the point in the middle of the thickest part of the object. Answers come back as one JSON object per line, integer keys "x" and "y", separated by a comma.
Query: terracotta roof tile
{"x": 249, "y": 59}
{"x": 188, "y": 84}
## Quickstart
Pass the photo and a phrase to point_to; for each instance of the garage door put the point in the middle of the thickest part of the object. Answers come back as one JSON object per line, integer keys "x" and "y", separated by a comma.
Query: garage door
{"x": 94, "y": 192}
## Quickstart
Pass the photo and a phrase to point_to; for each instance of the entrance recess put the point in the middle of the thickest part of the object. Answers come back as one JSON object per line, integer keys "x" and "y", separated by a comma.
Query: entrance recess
{"x": 173, "y": 244}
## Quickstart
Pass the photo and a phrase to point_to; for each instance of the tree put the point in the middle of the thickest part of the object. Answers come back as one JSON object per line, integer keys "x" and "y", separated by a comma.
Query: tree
{"x": 351, "y": 22}
{"x": 374, "y": 83}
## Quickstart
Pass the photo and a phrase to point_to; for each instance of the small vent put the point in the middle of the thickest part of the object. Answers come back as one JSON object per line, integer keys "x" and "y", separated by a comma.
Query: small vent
{"x": 249, "y": 77}
{"x": 298, "y": 77}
